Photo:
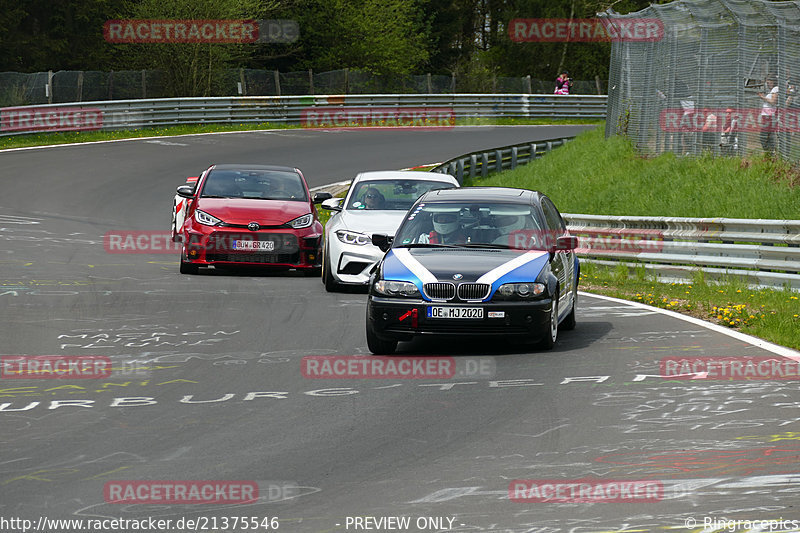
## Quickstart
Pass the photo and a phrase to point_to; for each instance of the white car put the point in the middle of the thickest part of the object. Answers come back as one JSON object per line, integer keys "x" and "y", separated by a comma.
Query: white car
{"x": 377, "y": 202}
{"x": 179, "y": 207}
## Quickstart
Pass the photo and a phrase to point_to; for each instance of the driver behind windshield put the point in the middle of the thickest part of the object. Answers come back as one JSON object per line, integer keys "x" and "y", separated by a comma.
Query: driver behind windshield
{"x": 446, "y": 230}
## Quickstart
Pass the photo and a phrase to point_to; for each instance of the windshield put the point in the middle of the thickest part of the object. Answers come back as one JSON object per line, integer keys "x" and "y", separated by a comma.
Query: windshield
{"x": 495, "y": 225}
{"x": 391, "y": 195}
{"x": 254, "y": 184}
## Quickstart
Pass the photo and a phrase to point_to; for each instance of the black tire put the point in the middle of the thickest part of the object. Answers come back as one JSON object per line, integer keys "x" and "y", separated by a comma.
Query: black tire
{"x": 188, "y": 268}
{"x": 550, "y": 332}
{"x": 569, "y": 322}
{"x": 378, "y": 346}
{"x": 327, "y": 277}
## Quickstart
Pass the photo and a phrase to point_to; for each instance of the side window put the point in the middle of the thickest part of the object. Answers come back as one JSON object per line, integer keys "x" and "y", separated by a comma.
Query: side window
{"x": 553, "y": 218}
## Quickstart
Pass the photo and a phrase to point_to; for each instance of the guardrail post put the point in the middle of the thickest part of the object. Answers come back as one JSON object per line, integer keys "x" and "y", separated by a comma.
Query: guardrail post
{"x": 549, "y": 146}
{"x": 48, "y": 89}
{"x": 80, "y": 86}
{"x": 310, "y": 81}
{"x": 460, "y": 171}
{"x": 473, "y": 162}
{"x": 243, "y": 82}
{"x": 144, "y": 84}
{"x": 484, "y": 164}
{"x": 277, "y": 82}
{"x": 533, "y": 151}
{"x": 498, "y": 160}
{"x": 513, "y": 157}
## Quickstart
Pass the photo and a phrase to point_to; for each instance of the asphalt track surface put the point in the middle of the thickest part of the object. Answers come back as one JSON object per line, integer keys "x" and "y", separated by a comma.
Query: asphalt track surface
{"x": 209, "y": 383}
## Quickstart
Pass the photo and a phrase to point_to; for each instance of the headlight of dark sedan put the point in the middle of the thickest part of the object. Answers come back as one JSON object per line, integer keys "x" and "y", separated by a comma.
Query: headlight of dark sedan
{"x": 402, "y": 289}
{"x": 519, "y": 291}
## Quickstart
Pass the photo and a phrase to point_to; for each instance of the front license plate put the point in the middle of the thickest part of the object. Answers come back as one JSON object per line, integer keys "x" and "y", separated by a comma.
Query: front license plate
{"x": 455, "y": 312}
{"x": 254, "y": 245}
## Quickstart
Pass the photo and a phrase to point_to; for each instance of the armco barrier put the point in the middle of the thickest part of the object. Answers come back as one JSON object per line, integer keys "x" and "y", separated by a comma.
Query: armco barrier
{"x": 129, "y": 114}
{"x": 496, "y": 159}
{"x": 760, "y": 252}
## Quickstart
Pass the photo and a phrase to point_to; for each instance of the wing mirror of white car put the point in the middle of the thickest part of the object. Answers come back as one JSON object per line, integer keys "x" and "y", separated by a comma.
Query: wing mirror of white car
{"x": 332, "y": 204}
{"x": 382, "y": 241}
{"x": 186, "y": 191}
{"x": 321, "y": 197}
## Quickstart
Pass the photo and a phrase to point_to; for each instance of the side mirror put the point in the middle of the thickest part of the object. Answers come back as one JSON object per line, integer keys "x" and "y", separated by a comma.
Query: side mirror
{"x": 567, "y": 242}
{"x": 321, "y": 197}
{"x": 186, "y": 191}
{"x": 332, "y": 204}
{"x": 382, "y": 241}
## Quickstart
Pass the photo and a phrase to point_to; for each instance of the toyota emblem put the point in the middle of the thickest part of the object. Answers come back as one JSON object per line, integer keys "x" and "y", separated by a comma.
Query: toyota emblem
{"x": 253, "y": 226}
{"x": 457, "y": 276}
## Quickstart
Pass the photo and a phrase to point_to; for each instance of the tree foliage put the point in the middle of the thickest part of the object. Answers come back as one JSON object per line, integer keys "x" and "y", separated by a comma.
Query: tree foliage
{"x": 466, "y": 37}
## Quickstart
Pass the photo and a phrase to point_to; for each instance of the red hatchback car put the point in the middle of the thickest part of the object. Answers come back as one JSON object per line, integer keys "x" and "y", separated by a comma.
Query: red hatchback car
{"x": 253, "y": 216}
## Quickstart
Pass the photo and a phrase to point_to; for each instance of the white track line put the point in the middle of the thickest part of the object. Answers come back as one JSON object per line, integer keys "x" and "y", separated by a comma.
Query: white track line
{"x": 749, "y": 339}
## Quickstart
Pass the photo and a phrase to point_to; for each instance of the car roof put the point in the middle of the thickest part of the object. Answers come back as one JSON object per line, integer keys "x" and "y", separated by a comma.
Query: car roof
{"x": 377, "y": 175}
{"x": 483, "y": 194}
{"x": 242, "y": 166}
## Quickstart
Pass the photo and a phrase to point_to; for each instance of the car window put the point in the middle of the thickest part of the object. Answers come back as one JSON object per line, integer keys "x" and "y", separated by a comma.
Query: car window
{"x": 552, "y": 216}
{"x": 392, "y": 195}
{"x": 254, "y": 184}
{"x": 504, "y": 225}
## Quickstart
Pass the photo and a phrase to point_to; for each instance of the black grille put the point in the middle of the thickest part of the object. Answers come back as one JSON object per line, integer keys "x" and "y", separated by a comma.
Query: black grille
{"x": 473, "y": 291}
{"x": 286, "y": 250}
{"x": 440, "y": 291}
{"x": 239, "y": 257}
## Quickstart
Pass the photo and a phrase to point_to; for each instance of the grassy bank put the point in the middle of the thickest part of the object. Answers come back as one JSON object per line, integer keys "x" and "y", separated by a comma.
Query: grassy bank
{"x": 592, "y": 175}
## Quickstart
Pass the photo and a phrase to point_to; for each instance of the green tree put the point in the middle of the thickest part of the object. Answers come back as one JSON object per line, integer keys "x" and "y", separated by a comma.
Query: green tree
{"x": 192, "y": 69}
{"x": 381, "y": 36}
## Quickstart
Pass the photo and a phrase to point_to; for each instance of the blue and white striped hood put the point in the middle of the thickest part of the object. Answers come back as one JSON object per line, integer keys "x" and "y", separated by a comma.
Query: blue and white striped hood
{"x": 492, "y": 266}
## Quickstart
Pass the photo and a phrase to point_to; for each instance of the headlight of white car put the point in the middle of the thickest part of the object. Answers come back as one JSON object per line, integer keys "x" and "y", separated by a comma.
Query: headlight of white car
{"x": 205, "y": 219}
{"x": 302, "y": 222}
{"x": 353, "y": 237}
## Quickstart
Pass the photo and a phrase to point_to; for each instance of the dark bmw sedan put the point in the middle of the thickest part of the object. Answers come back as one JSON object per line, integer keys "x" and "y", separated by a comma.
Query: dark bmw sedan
{"x": 478, "y": 261}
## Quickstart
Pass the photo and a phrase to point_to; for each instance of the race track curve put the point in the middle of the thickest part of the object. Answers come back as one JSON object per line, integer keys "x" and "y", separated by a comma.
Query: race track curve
{"x": 210, "y": 384}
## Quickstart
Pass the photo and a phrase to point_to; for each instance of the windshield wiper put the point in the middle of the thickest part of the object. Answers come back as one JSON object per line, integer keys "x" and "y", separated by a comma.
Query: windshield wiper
{"x": 427, "y": 245}
{"x": 485, "y": 245}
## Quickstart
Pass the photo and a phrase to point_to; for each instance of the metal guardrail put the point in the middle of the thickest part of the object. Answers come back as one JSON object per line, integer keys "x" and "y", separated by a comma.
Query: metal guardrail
{"x": 129, "y": 114}
{"x": 757, "y": 251}
{"x": 497, "y": 159}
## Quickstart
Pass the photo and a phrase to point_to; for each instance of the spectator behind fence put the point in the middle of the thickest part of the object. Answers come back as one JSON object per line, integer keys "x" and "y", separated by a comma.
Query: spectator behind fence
{"x": 768, "y": 108}
{"x": 563, "y": 83}
{"x": 729, "y": 142}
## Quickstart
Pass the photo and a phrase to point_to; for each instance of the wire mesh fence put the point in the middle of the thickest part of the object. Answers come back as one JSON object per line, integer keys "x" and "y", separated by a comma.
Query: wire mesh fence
{"x": 18, "y": 89}
{"x": 722, "y": 79}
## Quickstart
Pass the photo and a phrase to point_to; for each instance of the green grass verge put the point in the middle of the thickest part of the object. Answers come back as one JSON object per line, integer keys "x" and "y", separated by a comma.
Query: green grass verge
{"x": 768, "y": 314}
{"x": 594, "y": 175}
{"x": 46, "y": 139}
